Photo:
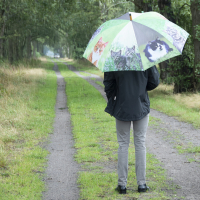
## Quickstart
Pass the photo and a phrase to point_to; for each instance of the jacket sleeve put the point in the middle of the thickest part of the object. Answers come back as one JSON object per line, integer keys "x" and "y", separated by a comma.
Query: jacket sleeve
{"x": 110, "y": 84}
{"x": 153, "y": 78}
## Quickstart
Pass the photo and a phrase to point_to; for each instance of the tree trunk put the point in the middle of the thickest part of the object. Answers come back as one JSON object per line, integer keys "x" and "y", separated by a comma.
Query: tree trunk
{"x": 14, "y": 49}
{"x": 182, "y": 75}
{"x": 165, "y": 10}
{"x": 141, "y": 6}
{"x": 18, "y": 56}
{"x": 28, "y": 47}
{"x": 38, "y": 50}
{"x": 2, "y": 28}
{"x": 195, "y": 10}
{"x": 1, "y": 39}
{"x": 3, "y": 48}
{"x": 22, "y": 46}
{"x": 11, "y": 50}
{"x": 34, "y": 49}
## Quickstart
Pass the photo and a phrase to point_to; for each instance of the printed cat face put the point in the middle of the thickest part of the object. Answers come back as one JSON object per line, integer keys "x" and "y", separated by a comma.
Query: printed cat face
{"x": 114, "y": 55}
{"x": 100, "y": 46}
{"x": 95, "y": 55}
{"x": 130, "y": 60}
{"x": 130, "y": 51}
{"x": 156, "y": 45}
{"x": 156, "y": 49}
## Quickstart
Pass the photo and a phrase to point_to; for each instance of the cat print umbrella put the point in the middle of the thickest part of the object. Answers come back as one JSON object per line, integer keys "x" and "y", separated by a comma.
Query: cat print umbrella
{"x": 135, "y": 41}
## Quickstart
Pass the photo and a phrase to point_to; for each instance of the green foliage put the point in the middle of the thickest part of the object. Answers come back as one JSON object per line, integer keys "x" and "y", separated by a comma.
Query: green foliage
{"x": 197, "y": 28}
{"x": 165, "y": 102}
{"x": 88, "y": 16}
{"x": 27, "y": 21}
{"x": 30, "y": 109}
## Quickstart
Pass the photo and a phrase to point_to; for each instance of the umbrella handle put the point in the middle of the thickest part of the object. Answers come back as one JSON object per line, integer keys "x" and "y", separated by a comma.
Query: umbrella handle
{"x": 130, "y": 16}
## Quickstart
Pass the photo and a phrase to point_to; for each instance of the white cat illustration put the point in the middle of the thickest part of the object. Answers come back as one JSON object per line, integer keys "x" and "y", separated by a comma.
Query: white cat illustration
{"x": 156, "y": 49}
{"x": 178, "y": 40}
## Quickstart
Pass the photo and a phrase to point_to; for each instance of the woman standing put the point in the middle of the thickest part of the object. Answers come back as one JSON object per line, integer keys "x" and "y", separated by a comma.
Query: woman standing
{"x": 128, "y": 102}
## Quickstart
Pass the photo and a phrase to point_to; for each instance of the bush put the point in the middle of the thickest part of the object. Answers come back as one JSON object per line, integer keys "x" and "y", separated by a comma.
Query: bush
{"x": 37, "y": 54}
{"x": 78, "y": 53}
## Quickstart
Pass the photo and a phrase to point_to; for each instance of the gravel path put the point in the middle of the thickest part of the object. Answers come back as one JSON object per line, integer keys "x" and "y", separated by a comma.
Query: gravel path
{"x": 185, "y": 174}
{"x": 62, "y": 169}
{"x": 162, "y": 137}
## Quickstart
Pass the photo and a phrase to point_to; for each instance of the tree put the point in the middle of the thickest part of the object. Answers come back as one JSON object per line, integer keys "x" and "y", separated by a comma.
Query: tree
{"x": 22, "y": 22}
{"x": 195, "y": 10}
{"x": 165, "y": 10}
{"x": 142, "y": 5}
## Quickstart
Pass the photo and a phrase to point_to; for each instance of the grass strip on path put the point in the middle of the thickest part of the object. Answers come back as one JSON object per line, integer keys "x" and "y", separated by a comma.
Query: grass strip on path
{"x": 84, "y": 65}
{"x": 27, "y": 112}
{"x": 95, "y": 139}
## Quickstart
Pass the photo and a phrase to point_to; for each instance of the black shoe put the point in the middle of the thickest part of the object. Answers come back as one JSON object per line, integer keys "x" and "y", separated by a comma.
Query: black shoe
{"x": 121, "y": 189}
{"x": 143, "y": 188}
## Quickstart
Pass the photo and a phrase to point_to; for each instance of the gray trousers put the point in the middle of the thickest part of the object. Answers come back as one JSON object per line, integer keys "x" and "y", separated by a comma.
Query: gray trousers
{"x": 123, "y": 137}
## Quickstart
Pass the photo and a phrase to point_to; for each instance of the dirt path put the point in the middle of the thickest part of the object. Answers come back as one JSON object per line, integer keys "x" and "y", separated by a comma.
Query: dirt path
{"x": 162, "y": 137}
{"x": 161, "y": 140}
{"x": 62, "y": 169}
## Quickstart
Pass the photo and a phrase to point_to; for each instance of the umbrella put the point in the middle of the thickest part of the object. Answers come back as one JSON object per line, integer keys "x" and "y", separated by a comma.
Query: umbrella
{"x": 135, "y": 41}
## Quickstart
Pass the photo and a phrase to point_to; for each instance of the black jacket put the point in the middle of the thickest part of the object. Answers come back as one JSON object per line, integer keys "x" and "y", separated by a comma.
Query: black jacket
{"x": 127, "y": 93}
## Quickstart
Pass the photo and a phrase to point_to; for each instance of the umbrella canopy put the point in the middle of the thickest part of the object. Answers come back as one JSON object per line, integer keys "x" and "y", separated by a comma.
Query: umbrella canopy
{"x": 135, "y": 41}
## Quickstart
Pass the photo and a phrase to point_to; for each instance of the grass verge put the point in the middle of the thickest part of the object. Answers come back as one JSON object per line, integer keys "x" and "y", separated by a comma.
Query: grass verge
{"x": 184, "y": 107}
{"x": 95, "y": 139}
{"x": 27, "y": 100}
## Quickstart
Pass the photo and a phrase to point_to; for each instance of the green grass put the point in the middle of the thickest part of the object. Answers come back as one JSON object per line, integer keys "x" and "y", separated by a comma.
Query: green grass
{"x": 85, "y": 65}
{"x": 164, "y": 102}
{"x": 188, "y": 149}
{"x": 26, "y": 120}
{"x": 84, "y": 74}
{"x": 96, "y": 143}
{"x": 99, "y": 83}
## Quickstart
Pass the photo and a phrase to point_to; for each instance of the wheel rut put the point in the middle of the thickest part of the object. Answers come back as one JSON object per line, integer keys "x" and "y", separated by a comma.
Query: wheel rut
{"x": 61, "y": 172}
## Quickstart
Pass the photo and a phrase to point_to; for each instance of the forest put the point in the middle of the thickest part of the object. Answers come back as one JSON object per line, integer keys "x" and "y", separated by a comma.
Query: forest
{"x": 66, "y": 27}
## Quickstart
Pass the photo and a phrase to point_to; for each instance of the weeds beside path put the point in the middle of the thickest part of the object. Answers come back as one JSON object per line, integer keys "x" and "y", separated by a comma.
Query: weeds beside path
{"x": 27, "y": 99}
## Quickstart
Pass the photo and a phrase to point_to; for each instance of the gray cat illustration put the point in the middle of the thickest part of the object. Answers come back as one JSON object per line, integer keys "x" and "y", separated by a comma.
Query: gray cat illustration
{"x": 127, "y": 61}
{"x": 178, "y": 40}
{"x": 133, "y": 59}
{"x": 119, "y": 60}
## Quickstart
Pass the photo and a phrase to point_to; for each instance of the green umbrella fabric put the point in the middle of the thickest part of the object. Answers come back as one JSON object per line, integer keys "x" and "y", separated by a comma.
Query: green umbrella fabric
{"x": 135, "y": 43}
